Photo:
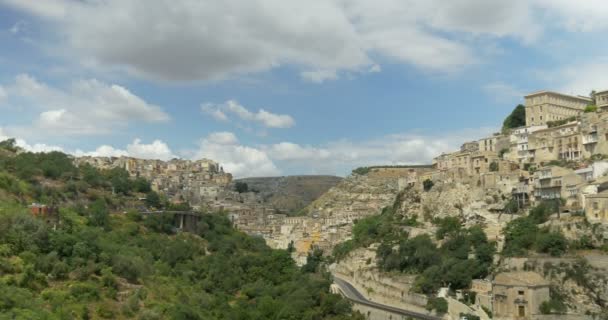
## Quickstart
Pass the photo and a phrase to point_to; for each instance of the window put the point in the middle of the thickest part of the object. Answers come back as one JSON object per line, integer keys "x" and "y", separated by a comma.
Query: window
{"x": 521, "y": 293}
{"x": 595, "y": 205}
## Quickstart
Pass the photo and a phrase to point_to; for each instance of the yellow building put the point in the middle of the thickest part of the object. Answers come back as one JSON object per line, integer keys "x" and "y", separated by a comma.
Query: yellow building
{"x": 518, "y": 295}
{"x": 596, "y": 207}
{"x": 545, "y": 106}
{"x": 601, "y": 100}
{"x": 561, "y": 142}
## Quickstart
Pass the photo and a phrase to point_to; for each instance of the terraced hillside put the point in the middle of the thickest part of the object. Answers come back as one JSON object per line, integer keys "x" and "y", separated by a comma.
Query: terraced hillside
{"x": 291, "y": 194}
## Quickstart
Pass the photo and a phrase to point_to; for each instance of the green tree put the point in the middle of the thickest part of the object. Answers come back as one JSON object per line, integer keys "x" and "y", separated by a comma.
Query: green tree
{"x": 516, "y": 119}
{"x": 440, "y": 305}
{"x": 153, "y": 200}
{"x": 99, "y": 215}
{"x": 590, "y": 108}
{"x": 553, "y": 243}
{"x": 520, "y": 236}
{"x": 241, "y": 187}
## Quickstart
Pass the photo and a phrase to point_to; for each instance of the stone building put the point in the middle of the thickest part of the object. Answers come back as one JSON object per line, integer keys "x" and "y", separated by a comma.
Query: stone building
{"x": 483, "y": 290}
{"x": 518, "y": 139}
{"x": 546, "y": 106}
{"x": 518, "y": 294}
{"x": 596, "y": 207}
{"x": 601, "y": 100}
{"x": 560, "y": 142}
{"x": 555, "y": 182}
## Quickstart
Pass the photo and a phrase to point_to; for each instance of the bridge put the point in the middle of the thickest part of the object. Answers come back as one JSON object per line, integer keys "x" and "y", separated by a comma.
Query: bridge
{"x": 377, "y": 311}
{"x": 182, "y": 220}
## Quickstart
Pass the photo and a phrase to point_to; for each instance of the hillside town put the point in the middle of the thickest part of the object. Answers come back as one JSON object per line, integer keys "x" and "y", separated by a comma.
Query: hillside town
{"x": 558, "y": 155}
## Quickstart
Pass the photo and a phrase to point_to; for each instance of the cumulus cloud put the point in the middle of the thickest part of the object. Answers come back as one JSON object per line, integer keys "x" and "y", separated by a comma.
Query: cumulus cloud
{"x": 242, "y": 161}
{"x": 207, "y": 39}
{"x": 580, "y": 78}
{"x": 262, "y": 117}
{"x": 157, "y": 150}
{"x": 102, "y": 151}
{"x": 36, "y": 147}
{"x": 336, "y": 157}
{"x": 86, "y": 107}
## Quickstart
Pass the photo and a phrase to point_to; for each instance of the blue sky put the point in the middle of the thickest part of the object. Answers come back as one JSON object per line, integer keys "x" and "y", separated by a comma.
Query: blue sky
{"x": 274, "y": 87}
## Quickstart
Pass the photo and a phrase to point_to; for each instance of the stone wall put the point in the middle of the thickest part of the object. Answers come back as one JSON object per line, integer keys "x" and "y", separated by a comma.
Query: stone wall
{"x": 359, "y": 268}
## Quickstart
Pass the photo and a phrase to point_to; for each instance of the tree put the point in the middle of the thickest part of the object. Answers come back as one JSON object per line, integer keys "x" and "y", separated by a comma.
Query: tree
{"x": 241, "y": 187}
{"x": 553, "y": 243}
{"x": 9, "y": 144}
{"x": 440, "y": 305}
{"x": 99, "y": 214}
{"x": 516, "y": 119}
{"x": 590, "y": 108}
{"x": 153, "y": 200}
{"x": 428, "y": 184}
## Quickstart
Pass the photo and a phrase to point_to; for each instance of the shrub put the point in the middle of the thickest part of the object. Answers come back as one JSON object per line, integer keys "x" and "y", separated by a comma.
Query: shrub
{"x": 553, "y": 243}
{"x": 428, "y": 184}
{"x": 361, "y": 170}
{"x": 440, "y": 305}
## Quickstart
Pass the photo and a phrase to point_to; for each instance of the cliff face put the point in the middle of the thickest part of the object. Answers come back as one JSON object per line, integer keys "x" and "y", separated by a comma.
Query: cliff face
{"x": 359, "y": 196}
{"x": 290, "y": 194}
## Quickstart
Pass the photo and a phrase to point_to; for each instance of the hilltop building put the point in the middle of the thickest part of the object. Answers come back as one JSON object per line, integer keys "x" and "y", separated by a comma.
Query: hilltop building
{"x": 601, "y": 100}
{"x": 197, "y": 181}
{"x": 546, "y": 106}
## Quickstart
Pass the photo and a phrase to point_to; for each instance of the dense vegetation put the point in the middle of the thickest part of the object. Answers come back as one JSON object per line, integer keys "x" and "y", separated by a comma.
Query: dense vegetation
{"x": 464, "y": 254}
{"x": 524, "y": 234}
{"x": 98, "y": 264}
{"x": 516, "y": 119}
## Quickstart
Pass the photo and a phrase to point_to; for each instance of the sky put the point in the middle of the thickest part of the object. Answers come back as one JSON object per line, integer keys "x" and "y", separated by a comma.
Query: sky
{"x": 283, "y": 87}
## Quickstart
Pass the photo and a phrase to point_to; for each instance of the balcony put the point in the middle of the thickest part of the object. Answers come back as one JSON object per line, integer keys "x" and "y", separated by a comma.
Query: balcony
{"x": 547, "y": 174}
{"x": 588, "y": 139}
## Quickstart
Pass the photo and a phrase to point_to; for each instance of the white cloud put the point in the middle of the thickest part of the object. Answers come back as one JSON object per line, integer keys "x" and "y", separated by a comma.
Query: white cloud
{"x": 36, "y": 147}
{"x": 216, "y": 114}
{"x": 86, "y": 107}
{"x": 319, "y": 76}
{"x": 262, "y": 117}
{"x": 241, "y": 161}
{"x": 581, "y": 78}
{"x": 502, "y": 92}
{"x": 339, "y": 157}
{"x": 102, "y": 151}
{"x": 585, "y": 16}
{"x": 155, "y": 150}
{"x": 224, "y": 138}
{"x": 288, "y": 151}
{"x": 205, "y": 39}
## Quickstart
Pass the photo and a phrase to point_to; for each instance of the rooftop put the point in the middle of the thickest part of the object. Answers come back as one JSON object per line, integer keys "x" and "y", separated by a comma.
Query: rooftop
{"x": 538, "y": 93}
{"x": 520, "y": 278}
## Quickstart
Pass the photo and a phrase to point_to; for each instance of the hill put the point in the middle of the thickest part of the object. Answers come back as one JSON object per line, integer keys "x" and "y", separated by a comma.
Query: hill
{"x": 291, "y": 194}
{"x": 88, "y": 256}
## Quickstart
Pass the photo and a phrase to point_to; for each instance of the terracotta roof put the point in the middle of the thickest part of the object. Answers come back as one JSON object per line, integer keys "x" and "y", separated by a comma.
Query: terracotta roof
{"x": 520, "y": 278}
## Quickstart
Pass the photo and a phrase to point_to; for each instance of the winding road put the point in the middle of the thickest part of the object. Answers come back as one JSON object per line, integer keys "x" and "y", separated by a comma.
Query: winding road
{"x": 352, "y": 294}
